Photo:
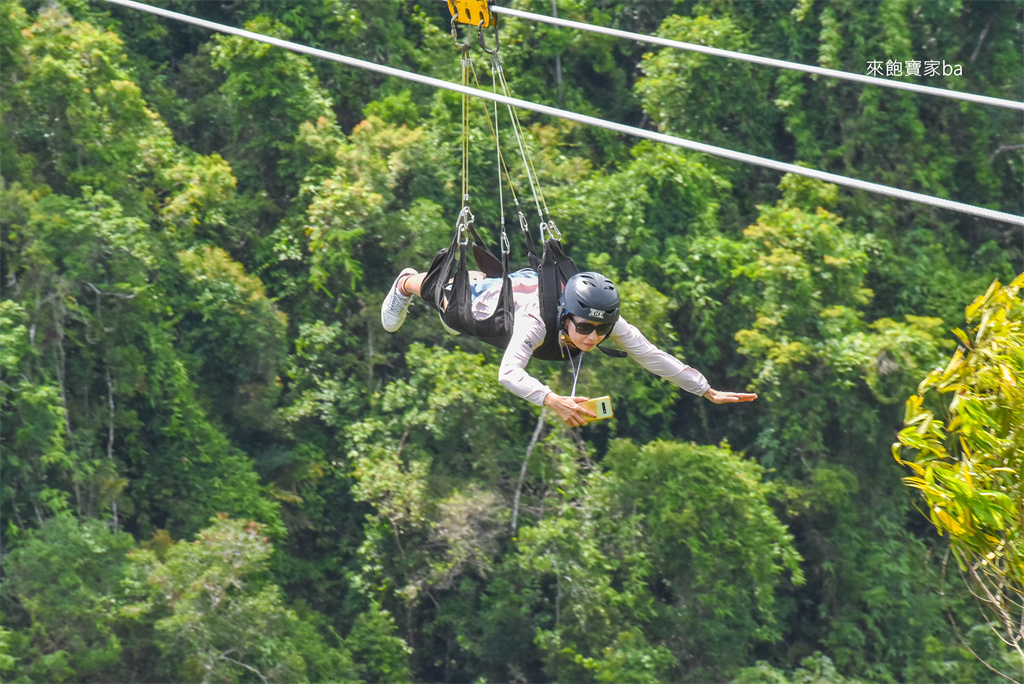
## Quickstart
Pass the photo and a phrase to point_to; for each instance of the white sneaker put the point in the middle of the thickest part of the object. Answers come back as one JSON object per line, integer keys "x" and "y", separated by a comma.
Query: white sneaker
{"x": 396, "y": 305}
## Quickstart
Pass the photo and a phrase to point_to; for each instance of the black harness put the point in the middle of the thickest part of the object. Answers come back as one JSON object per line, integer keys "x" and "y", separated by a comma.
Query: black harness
{"x": 446, "y": 288}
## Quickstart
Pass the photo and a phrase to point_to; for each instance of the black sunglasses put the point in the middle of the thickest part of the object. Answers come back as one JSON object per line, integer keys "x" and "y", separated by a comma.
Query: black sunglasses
{"x": 587, "y": 327}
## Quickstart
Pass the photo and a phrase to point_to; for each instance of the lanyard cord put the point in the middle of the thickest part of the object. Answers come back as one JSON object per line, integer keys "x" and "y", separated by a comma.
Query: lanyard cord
{"x": 575, "y": 367}
{"x": 575, "y": 372}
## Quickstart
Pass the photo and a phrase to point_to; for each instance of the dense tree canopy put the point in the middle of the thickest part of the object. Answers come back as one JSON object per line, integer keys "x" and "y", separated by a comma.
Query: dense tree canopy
{"x": 968, "y": 469}
{"x": 217, "y": 466}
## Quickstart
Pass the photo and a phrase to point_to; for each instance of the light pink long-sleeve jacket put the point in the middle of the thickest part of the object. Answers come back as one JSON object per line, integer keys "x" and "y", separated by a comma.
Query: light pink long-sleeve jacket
{"x": 528, "y": 334}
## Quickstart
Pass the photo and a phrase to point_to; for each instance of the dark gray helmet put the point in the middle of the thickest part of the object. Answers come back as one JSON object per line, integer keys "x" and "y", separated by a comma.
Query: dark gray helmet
{"x": 591, "y": 296}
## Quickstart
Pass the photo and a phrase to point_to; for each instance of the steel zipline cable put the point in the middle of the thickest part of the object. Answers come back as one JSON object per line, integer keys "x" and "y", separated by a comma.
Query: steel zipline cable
{"x": 784, "y": 167}
{"x": 765, "y": 61}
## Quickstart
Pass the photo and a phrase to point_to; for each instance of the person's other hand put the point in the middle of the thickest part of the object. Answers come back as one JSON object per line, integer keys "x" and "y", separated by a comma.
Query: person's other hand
{"x": 728, "y": 397}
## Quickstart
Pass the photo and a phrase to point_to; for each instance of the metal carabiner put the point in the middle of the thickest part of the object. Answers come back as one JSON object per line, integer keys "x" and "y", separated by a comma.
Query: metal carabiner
{"x": 455, "y": 33}
{"x": 553, "y": 229}
{"x": 524, "y": 224}
{"x": 463, "y": 223}
{"x": 480, "y": 38}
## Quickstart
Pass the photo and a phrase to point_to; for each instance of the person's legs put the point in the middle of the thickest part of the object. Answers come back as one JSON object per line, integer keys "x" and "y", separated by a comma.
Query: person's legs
{"x": 396, "y": 304}
{"x": 411, "y": 284}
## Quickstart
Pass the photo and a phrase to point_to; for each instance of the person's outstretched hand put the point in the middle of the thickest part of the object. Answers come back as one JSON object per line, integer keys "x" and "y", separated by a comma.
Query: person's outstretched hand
{"x": 728, "y": 397}
{"x": 569, "y": 409}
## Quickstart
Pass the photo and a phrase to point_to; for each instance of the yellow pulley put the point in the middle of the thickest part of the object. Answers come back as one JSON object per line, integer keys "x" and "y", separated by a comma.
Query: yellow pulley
{"x": 472, "y": 12}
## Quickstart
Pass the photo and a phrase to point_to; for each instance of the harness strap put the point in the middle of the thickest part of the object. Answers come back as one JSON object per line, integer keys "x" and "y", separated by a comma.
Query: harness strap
{"x": 485, "y": 259}
{"x": 555, "y": 268}
{"x": 446, "y": 287}
{"x": 531, "y": 248}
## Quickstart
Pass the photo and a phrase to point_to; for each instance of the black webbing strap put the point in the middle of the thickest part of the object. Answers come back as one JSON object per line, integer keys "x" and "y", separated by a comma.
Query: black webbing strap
{"x": 440, "y": 271}
{"x": 531, "y": 247}
{"x": 496, "y": 329}
{"x": 485, "y": 259}
{"x": 446, "y": 287}
{"x": 554, "y": 269}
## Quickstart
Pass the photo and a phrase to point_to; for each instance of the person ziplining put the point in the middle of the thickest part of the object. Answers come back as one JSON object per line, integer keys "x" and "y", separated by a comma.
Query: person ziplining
{"x": 548, "y": 311}
{"x": 589, "y": 313}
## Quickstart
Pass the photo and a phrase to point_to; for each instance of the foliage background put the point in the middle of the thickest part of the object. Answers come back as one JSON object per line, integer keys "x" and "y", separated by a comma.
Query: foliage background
{"x": 217, "y": 466}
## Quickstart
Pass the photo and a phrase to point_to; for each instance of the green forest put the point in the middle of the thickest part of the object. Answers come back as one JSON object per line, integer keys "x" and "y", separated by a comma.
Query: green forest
{"x": 218, "y": 467}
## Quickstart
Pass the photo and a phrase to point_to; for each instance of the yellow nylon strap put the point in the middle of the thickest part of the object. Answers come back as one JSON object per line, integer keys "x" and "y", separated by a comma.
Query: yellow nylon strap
{"x": 467, "y": 65}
